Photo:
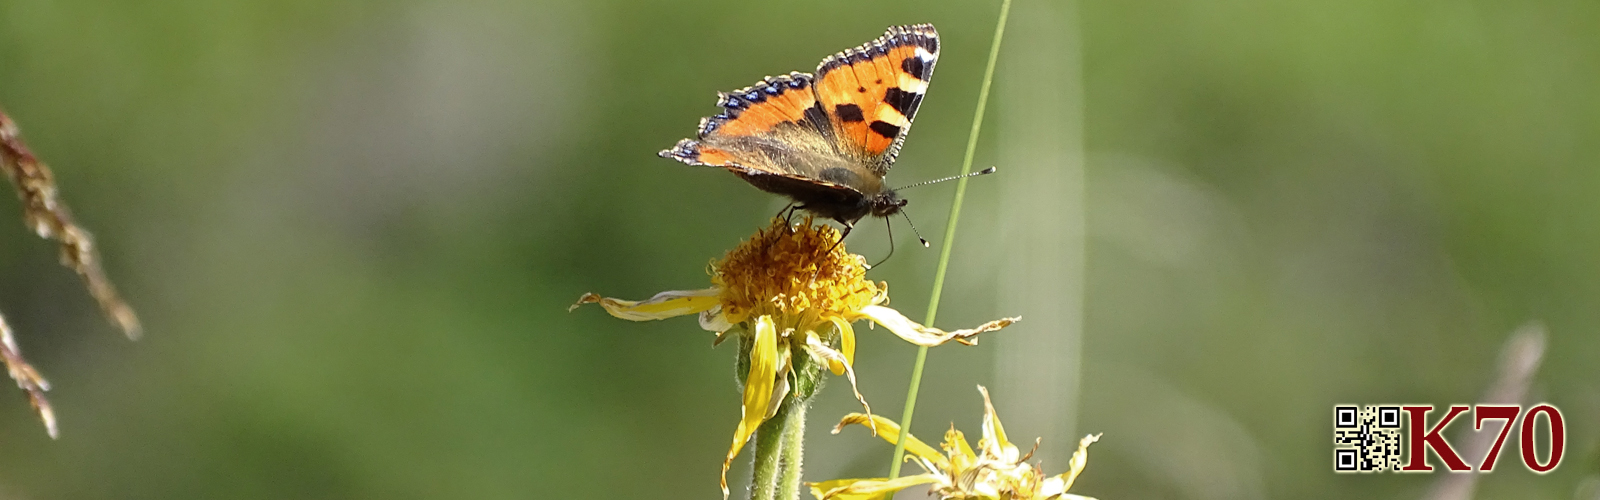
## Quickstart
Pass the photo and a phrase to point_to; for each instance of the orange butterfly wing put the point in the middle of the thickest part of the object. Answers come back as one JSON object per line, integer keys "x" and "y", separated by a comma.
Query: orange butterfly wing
{"x": 872, "y": 92}
{"x": 826, "y": 140}
{"x": 772, "y": 127}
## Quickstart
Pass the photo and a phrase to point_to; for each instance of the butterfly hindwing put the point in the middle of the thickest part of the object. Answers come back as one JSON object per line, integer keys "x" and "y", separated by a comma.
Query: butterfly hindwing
{"x": 872, "y": 92}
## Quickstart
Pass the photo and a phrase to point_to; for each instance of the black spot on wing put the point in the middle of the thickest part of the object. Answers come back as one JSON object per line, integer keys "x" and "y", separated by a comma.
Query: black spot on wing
{"x": 904, "y": 102}
{"x": 916, "y": 67}
{"x": 885, "y": 129}
{"x": 849, "y": 113}
{"x": 817, "y": 118}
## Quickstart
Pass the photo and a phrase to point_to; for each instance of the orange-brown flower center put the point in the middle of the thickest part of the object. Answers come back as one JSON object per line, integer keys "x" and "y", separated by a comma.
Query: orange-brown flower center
{"x": 797, "y": 274}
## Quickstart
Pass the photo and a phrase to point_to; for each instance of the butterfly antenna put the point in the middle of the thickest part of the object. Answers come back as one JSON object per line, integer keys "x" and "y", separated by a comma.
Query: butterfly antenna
{"x": 914, "y": 226}
{"x": 890, "y": 228}
{"x": 986, "y": 171}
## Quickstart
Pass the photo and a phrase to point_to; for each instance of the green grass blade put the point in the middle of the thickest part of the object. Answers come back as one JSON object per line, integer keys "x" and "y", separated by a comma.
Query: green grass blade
{"x": 949, "y": 238}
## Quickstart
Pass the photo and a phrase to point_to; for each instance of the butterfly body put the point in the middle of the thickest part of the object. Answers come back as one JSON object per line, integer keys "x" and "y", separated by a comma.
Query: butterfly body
{"x": 827, "y": 139}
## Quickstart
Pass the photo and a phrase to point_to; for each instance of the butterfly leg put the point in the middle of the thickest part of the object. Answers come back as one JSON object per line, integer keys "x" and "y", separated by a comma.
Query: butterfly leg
{"x": 890, "y": 228}
{"x": 847, "y": 227}
{"x": 787, "y": 213}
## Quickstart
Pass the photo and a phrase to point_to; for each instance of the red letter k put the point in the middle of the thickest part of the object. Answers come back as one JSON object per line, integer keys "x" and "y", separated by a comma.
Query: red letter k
{"x": 1419, "y": 460}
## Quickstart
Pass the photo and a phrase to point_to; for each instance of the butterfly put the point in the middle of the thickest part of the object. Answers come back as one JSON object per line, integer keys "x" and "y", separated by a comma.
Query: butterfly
{"x": 824, "y": 139}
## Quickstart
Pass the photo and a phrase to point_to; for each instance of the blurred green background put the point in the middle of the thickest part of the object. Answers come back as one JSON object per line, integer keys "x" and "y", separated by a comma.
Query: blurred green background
{"x": 352, "y": 229}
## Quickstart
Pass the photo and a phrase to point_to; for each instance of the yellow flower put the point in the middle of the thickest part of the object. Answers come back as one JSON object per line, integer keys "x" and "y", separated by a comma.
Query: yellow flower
{"x": 996, "y": 471}
{"x": 789, "y": 289}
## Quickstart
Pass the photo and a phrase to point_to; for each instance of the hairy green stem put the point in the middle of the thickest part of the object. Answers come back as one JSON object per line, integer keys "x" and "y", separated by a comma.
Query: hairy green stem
{"x": 794, "y": 434}
{"x": 949, "y": 239}
{"x": 780, "y": 440}
{"x": 768, "y": 457}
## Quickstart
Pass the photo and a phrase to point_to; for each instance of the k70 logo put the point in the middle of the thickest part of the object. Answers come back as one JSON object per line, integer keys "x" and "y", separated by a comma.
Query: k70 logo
{"x": 1372, "y": 439}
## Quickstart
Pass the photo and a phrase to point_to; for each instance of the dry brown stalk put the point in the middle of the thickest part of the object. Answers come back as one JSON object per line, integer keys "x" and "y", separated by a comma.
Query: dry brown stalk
{"x": 44, "y": 211}
{"x": 27, "y": 378}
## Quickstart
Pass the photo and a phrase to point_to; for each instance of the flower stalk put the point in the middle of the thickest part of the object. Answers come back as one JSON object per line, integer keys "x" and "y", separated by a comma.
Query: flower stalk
{"x": 779, "y": 442}
{"x": 779, "y": 449}
{"x": 768, "y": 461}
{"x": 794, "y": 434}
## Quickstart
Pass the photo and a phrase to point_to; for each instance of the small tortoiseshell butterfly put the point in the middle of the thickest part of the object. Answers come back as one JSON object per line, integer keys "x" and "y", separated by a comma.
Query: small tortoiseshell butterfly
{"x": 828, "y": 139}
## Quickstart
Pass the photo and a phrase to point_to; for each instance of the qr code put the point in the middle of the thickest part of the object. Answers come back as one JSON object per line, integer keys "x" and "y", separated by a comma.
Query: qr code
{"x": 1366, "y": 440}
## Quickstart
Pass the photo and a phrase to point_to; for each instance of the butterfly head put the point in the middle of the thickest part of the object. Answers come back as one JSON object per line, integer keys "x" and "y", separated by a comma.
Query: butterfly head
{"x": 887, "y": 203}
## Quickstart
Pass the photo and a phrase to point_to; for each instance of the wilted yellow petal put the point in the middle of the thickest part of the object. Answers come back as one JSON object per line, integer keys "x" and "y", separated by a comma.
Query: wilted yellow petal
{"x": 662, "y": 306}
{"x": 1080, "y": 459}
{"x": 817, "y": 348}
{"x": 1057, "y": 486}
{"x": 924, "y": 335}
{"x": 1051, "y": 488}
{"x": 836, "y": 365}
{"x": 780, "y": 384}
{"x": 847, "y": 340}
{"x": 758, "y": 388}
{"x": 994, "y": 435}
{"x": 866, "y": 489}
{"x": 712, "y": 320}
{"x": 828, "y": 356}
{"x": 890, "y": 431}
